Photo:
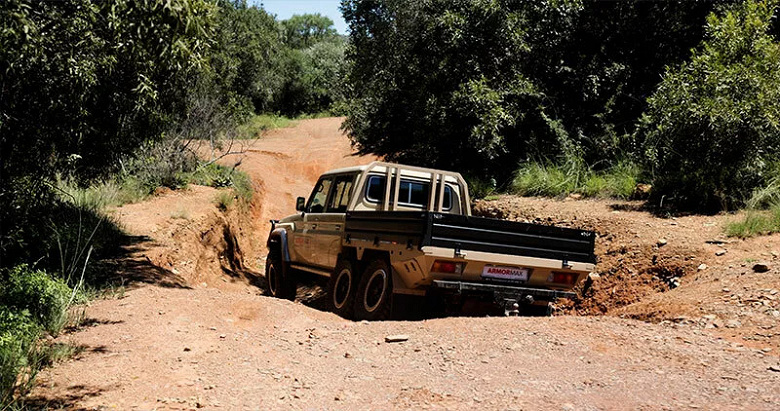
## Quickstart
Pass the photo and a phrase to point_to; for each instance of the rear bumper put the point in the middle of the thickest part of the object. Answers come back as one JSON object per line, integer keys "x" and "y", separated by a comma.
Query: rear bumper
{"x": 503, "y": 290}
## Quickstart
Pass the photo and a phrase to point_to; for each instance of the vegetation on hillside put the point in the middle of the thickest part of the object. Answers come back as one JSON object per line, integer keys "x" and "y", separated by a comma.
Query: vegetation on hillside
{"x": 685, "y": 91}
{"x": 100, "y": 103}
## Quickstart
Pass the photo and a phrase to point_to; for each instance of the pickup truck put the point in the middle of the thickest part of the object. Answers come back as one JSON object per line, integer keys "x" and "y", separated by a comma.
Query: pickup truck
{"x": 381, "y": 231}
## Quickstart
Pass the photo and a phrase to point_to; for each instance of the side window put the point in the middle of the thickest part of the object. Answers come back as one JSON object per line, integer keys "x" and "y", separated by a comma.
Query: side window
{"x": 411, "y": 193}
{"x": 342, "y": 192}
{"x": 375, "y": 189}
{"x": 447, "y": 198}
{"x": 319, "y": 196}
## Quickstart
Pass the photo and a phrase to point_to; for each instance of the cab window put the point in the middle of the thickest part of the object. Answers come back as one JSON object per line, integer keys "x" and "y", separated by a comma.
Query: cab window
{"x": 411, "y": 194}
{"x": 319, "y": 196}
{"x": 342, "y": 192}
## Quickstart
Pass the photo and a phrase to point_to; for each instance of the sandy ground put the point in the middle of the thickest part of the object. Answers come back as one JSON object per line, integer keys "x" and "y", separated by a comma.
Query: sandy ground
{"x": 188, "y": 336}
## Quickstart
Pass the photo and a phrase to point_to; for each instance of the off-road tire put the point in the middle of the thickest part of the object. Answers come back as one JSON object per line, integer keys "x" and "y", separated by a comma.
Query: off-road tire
{"x": 341, "y": 289}
{"x": 280, "y": 282}
{"x": 374, "y": 297}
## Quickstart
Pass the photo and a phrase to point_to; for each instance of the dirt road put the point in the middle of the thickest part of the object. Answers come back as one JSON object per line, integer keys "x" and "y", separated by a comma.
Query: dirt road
{"x": 214, "y": 341}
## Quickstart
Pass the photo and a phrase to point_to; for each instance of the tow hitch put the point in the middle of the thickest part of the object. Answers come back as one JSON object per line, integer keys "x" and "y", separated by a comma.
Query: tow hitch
{"x": 512, "y": 305}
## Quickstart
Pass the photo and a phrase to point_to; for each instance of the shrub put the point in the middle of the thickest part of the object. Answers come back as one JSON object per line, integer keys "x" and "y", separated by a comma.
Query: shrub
{"x": 712, "y": 127}
{"x": 18, "y": 333}
{"x": 45, "y": 298}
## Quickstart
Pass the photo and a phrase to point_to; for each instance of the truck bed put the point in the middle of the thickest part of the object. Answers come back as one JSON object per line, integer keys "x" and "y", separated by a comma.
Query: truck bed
{"x": 459, "y": 232}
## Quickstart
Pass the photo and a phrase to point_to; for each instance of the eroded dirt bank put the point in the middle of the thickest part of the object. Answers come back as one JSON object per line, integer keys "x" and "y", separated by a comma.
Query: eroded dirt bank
{"x": 201, "y": 334}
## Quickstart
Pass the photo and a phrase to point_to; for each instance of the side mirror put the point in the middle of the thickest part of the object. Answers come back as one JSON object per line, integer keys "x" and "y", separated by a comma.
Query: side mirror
{"x": 300, "y": 204}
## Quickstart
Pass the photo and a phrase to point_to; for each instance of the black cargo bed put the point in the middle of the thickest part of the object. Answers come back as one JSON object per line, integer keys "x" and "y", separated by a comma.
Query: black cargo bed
{"x": 420, "y": 229}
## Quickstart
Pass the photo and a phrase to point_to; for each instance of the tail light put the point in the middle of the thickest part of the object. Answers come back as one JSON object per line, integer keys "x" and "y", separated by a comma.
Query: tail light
{"x": 449, "y": 267}
{"x": 558, "y": 277}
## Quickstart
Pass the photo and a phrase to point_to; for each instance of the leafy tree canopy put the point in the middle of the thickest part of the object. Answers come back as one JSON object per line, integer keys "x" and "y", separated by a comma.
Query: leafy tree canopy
{"x": 712, "y": 129}
{"x": 479, "y": 86}
{"x": 304, "y": 30}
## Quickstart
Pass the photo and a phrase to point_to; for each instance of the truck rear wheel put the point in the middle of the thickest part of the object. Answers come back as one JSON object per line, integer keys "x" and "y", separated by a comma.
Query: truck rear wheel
{"x": 375, "y": 292}
{"x": 341, "y": 289}
{"x": 279, "y": 279}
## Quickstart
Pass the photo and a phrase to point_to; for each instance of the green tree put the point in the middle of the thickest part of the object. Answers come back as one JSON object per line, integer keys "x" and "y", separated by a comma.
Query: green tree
{"x": 312, "y": 78}
{"x": 246, "y": 57}
{"x": 433, "y": 80}
{"x": 712, "y": 128}
{"x": 304, "y": 30}
{"x": 82, "y": 85}
{"x": 507, "y": 81}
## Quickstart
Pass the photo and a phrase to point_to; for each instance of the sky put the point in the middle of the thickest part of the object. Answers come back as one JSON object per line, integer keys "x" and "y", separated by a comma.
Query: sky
{"x": 284, "y": 9}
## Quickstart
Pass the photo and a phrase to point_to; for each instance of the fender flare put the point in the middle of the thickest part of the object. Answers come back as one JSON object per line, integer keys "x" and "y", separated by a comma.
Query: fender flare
{"x": 279, "y": 235}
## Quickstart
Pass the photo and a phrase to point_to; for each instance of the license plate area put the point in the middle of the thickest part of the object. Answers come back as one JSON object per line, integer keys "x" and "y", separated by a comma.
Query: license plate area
{"x": 505, "y": 274}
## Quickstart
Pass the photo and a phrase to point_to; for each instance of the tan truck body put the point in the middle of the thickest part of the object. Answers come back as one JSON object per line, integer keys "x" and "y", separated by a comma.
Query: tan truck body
{"x": 315, "y": 239}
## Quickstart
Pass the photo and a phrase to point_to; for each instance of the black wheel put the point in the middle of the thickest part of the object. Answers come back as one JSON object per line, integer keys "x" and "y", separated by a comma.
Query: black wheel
{"x": 341, "y": 289}
{"x": 279, "y": 278}
{"x": 374, "y": 297}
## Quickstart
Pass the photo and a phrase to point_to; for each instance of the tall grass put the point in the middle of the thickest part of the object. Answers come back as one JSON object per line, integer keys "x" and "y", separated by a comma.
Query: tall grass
{"x": 755, "y": 222}
{"x": 762, "y": 214}
{"x": 554, "y": 180}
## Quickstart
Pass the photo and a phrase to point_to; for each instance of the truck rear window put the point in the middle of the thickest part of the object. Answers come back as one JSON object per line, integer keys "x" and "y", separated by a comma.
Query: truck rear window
{"x": 412, "y": 193}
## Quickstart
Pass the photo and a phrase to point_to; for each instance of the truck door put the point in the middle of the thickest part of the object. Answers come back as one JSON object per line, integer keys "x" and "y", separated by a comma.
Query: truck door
{"x": 304, "y": 238}
{"x": 328, "y": 227}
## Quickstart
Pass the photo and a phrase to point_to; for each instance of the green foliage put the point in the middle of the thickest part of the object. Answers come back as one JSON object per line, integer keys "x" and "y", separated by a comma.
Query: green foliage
{"x": 755, "y": 223}
{"x": 18, "y": 333}
{"x": 219, "y": 176}
{"x": 550, "y": 180}
{"x": 305, "y": 30}
{"x": 34, "y": 291}
{"x": 312, "y": 78}
{"x": 85, "y": 83}
{"x": 259, "y": 123}
{"x": 31, "y": 301}
{"x": 245, "y": 58}
{"x": 505, "y": 81}
{"x": 712, "y": 129}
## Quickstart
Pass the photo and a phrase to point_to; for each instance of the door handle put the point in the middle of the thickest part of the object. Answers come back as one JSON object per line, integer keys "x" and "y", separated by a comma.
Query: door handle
{"x": 314, "y": 226}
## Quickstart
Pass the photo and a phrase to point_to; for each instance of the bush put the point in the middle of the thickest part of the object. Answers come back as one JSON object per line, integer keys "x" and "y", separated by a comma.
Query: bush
{"x": 31, "y": 301}
{"x": 18, "y": 333}
{"x": 34, "y": 291}
{"x": 712, "y": 128}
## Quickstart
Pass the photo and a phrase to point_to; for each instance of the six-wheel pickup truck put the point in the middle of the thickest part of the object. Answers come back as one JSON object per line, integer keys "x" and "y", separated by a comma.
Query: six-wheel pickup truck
{"x": 384, "y": 230}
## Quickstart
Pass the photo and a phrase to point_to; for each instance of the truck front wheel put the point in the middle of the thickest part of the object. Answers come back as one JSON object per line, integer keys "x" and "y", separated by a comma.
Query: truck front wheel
{"x": 375, "y": 292}
{"x": 341, "y": 289}
{"x": 279, "y": 279}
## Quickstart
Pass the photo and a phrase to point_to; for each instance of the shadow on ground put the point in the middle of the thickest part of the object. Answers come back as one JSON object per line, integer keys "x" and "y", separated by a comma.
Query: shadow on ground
{"x": 129, "y": 266}
{"x": 76, "y": 394}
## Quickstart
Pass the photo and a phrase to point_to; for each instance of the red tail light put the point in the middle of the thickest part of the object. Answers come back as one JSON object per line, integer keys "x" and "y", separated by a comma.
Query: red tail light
{"x": 558, "y": 277}
{"x": 450, "y": 267}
